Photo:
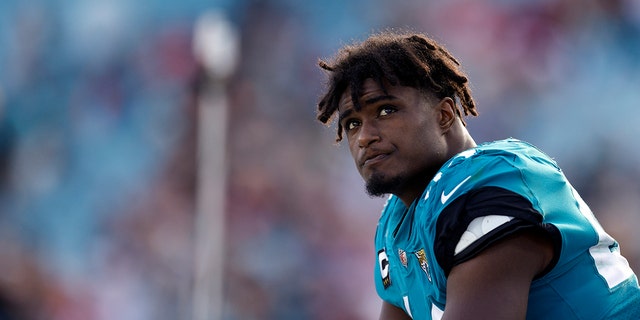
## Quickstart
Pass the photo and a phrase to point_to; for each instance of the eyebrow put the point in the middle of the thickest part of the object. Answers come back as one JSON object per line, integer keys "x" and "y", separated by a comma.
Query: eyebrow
{"x": 373, "y": 100}
{"x": 344, "y": 115}
{"x": 380, "y": 98}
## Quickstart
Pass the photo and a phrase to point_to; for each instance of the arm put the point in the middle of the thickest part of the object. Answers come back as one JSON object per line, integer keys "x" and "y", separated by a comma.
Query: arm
{"x": 391, "y": 312}
{"x": 495, "y": 284}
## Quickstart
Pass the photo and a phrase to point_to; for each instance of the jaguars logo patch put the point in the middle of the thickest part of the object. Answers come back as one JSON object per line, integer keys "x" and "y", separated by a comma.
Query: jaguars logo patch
{"x": 424, "y": 262}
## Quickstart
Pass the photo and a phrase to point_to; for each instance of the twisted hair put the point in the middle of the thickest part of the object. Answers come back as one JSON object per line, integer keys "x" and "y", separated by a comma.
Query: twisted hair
{"x": 406, "y": 59}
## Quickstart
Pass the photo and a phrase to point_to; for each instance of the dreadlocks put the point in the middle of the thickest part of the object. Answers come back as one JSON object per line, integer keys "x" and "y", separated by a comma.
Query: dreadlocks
{"x": 405, "y": 59}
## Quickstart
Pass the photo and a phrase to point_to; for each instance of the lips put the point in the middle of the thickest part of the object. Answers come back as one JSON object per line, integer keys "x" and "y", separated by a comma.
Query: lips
{"x": 373, "y": 158}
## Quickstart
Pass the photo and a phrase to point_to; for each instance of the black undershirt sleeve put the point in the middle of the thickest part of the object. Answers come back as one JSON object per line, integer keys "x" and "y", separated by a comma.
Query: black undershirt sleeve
{"x": 454, "y": 220}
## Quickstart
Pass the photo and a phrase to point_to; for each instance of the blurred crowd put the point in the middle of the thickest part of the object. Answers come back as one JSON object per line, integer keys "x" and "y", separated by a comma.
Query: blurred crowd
{"x": 98, "y": 144}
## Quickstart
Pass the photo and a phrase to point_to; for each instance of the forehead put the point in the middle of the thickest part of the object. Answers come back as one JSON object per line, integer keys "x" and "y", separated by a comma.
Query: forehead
{"x": 370, "y": 89}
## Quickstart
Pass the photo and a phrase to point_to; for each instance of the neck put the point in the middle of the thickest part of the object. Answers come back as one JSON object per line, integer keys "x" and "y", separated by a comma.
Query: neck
{"x": 409, "y": 195}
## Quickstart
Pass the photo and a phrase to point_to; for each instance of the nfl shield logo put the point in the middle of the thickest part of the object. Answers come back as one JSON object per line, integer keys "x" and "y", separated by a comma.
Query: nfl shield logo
{"x": 403, "y": 257}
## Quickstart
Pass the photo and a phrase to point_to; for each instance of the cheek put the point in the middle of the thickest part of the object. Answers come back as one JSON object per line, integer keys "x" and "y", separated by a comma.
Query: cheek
{"x": 353, "y": 150}
{"x": 352, "y": 147}
{"x": 426, "y": 148}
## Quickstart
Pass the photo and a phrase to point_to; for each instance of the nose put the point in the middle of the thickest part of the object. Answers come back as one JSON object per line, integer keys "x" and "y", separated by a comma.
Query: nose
{"x": 367, "y": 134}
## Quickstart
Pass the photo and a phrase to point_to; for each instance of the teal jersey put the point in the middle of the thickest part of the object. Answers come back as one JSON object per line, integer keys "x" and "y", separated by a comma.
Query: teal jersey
{"x": 482, "y": 195}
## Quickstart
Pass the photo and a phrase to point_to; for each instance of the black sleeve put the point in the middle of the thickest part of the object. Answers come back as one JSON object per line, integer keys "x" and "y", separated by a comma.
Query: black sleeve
{"x": 454, "y": 220}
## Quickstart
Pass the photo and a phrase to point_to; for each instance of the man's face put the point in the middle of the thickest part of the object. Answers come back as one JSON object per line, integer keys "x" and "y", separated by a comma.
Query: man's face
{"x": 396, "y": 139}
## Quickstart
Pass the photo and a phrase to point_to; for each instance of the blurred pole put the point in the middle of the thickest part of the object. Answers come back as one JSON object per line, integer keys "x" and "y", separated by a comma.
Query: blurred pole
{"x": 216, "y": 48}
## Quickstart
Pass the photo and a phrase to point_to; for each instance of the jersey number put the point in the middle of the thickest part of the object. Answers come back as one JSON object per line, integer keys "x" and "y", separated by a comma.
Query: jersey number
{"x": 611, "y": 265}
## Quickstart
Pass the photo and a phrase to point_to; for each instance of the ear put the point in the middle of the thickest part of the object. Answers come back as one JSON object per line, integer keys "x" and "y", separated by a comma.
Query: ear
{"x": 447, "y": 111}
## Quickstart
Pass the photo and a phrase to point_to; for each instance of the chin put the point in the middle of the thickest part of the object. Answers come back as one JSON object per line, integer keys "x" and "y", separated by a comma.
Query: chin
{"x": 379, "y": 185}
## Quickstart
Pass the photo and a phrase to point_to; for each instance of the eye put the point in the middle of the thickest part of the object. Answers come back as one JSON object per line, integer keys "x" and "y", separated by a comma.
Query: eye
{"x": 386, "y": 110}
{"x": 351, "y": 124}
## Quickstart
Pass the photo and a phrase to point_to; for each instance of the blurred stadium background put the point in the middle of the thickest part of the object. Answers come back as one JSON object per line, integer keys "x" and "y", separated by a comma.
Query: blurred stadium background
{"x": 98, "y": 145}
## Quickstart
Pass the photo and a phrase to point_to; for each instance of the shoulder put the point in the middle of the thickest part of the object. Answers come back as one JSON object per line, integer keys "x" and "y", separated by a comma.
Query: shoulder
{"x": 511, "y": 151}
{"x": 510, "y": 164}
{"x": 490, "y": 166}
{"x": 485, "y": 194}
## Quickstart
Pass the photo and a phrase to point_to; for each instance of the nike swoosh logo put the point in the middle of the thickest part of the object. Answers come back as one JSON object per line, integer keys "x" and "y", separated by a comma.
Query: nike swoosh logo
{"x": 445, "y": 196}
